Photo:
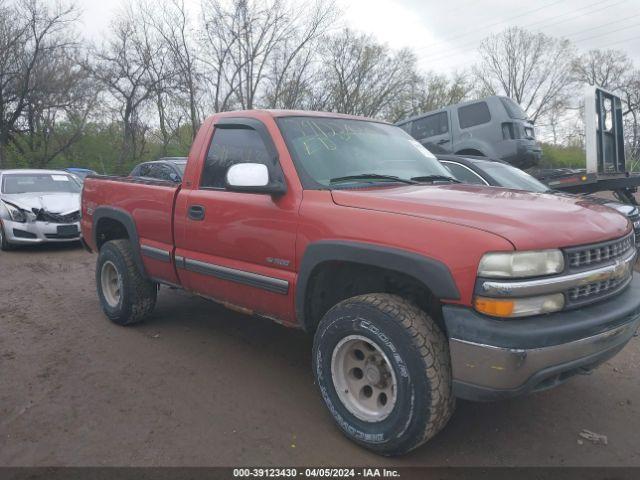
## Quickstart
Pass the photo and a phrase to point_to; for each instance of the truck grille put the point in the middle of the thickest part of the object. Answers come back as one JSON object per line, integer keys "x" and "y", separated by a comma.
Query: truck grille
{"x": 593, "y": 255}
{"x": 635, "y": 220}
{"x": 596, "y": 289}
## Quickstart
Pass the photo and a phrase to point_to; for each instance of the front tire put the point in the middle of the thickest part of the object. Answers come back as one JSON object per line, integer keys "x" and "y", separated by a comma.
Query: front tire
{"x": 5, "y": 246}
{"x": 126, "y": 296}
{"x": 384, "y": 372}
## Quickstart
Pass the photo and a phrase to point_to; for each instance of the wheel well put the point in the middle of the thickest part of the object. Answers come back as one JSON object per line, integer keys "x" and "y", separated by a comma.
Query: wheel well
{"x": 331, "y": 282}
{"x": 109, "y": 229}
{"x": 471, "y": 151}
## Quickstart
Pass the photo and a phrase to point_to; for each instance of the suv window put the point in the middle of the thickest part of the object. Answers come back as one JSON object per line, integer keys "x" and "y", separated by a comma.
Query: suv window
{"x": 228, "y": 147}
{"x": 474, "y": 114}
{"x": 430, "y": 126}
{"x": 144, "y": 170}
{"x": 464, "y": 174}
{"x": 160, "y": 171}
{"x": 513, "y": 109}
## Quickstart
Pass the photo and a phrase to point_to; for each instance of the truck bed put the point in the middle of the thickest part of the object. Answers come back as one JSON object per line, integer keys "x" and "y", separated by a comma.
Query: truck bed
{"x": 150, "y": 203}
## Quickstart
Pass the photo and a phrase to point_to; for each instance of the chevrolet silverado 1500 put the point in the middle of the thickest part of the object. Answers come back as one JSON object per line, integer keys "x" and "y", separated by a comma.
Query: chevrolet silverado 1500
{"x": 417, "y": 289}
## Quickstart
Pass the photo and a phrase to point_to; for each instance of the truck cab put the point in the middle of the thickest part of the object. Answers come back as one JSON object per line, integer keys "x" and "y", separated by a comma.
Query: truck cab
{"x": 417, "y": 289}
{"x": 493, "y": 127}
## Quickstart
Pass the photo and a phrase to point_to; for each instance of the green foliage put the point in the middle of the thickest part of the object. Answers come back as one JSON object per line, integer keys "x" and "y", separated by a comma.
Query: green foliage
{"x": 99, "y": 148}
{"x": 559, "y": 156}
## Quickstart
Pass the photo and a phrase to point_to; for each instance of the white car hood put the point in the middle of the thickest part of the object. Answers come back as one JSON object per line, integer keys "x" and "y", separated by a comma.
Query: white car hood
{"x": 60, "y": 203}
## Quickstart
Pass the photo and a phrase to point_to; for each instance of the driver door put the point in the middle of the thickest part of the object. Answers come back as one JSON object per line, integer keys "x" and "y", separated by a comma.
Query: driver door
{"x": 238, "y": 247}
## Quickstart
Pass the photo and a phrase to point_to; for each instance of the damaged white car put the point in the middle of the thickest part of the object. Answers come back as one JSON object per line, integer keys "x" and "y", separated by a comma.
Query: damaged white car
{"x": 38, "y": 206}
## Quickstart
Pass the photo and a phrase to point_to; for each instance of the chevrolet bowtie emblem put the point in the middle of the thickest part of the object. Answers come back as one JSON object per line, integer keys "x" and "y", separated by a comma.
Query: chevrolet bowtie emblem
{"x": 620, "y": 269}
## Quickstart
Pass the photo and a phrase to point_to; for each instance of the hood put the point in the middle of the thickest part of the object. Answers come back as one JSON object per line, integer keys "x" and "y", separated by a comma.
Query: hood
{"x": 528, "y": 220}
{"x": 61, "y": 203}
{"x": 623, "y": 208}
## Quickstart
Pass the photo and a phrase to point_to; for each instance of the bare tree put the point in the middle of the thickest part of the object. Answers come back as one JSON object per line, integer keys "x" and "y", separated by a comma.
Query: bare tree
{"x": 630, "y": 95}
{"x": 431, "y": 91}
{"x": 171, "y": 22}
{"x": 363, "y": 77}
{"x": 242, "y": 36}
{"x": 602, "y": 68}
{"x": 127, "y": 65}
{"x": 292, "y": 68}
{"x": 162, "y": 72}
{"x": 533, "y": 69}
{"x": 30, "y": 33}
{"x": 217, "y": 46}
{"x": 57, "y": 108}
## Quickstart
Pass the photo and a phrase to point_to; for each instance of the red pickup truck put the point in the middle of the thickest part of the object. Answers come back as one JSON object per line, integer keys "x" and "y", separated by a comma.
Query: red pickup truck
{"x": 417, "y": 289}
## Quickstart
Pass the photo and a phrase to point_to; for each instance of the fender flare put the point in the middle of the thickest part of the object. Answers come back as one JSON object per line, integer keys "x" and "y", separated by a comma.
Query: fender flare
{"x": 432, "y": 273}
{"x": 129, "y": 224}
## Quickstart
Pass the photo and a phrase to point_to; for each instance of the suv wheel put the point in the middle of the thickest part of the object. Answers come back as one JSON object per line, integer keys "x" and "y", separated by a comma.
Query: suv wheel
{"x": 4, "y": 243}
{"x": 384, "y": 372}
{"x": 126, "y": 296}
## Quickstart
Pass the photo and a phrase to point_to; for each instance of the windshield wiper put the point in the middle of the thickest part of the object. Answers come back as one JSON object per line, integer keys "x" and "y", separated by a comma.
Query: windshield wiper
{"x": 435, "y": 178}
{"x": 374, "y": 176}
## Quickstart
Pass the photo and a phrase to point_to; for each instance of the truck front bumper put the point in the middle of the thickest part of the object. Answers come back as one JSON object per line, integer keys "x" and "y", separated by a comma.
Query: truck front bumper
{"x": 495, "y": 359}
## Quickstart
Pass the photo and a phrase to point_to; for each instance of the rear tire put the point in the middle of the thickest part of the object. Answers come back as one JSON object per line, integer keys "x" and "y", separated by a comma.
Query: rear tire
{"x": 395, "y": 343}
{"x": 126, "y": 296}
{"x": 4, "y": 243}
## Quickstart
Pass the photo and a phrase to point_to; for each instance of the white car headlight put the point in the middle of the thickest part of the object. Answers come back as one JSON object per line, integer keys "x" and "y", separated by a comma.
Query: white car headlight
{"x": 16, "y": 214}
{"x": 521, "y": 264}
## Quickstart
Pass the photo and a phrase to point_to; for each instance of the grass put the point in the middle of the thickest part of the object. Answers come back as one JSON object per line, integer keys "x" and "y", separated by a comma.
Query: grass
{"x": 558, "y": 156}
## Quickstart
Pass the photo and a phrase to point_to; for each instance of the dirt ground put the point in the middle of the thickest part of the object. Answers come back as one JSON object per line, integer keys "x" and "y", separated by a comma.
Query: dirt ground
{"x": 200, "y": 385}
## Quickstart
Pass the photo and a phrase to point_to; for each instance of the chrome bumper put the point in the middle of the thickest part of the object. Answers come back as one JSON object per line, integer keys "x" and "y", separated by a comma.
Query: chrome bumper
{"x": 498, "y": 368}
{"x": 493, "y": 359}
{"x": 29, "y": 233}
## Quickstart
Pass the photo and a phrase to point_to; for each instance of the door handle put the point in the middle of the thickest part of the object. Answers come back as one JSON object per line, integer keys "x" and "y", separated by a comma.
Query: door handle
{"x": 196, "y": 212}
{"x": 444, "y": 140}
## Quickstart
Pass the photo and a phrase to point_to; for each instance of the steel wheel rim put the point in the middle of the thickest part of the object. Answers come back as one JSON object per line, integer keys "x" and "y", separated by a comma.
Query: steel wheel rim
{"x": 111, "y": 284}
{"x": 364, "y": 378}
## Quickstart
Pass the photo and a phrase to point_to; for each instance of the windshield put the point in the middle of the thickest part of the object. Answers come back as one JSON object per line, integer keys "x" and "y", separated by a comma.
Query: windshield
{"x": 39, "y": 183}
{"x": 511, "y": 177}
{"x": 180, "y": 166}
{"x": 335, "y": 148}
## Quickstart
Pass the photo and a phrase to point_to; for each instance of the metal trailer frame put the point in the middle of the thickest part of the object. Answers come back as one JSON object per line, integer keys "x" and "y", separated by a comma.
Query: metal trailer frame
{"x": 604, "y": 141}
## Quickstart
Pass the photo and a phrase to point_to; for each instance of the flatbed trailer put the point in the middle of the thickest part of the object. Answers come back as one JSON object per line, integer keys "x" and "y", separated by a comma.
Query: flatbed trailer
{"x": 606, "y": 164}
{"x": 623, "y": 185}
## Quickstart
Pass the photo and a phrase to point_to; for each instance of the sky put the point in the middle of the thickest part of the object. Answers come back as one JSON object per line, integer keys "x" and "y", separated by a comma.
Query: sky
{"x": 445, "y": 34}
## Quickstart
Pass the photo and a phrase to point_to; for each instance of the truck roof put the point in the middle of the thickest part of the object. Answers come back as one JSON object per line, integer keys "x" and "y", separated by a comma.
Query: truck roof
{"x": 33, "y": 171}
{"x": 276, "y": 113}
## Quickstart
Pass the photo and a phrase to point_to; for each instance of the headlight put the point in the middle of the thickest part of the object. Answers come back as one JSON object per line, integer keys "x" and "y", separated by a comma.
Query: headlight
{"x": 521, "y": 264}
{"x": 16, "y": 214}
{"x": 519, "y": 307}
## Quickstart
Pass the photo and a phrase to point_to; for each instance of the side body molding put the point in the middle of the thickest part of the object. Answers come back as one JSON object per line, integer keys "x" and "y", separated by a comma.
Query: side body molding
{"x": 432, "y": 273}
{"x": 125, "y": 219}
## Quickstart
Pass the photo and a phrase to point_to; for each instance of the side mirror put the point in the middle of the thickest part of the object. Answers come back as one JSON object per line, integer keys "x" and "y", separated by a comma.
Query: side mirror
{"x": 252, "y": 177}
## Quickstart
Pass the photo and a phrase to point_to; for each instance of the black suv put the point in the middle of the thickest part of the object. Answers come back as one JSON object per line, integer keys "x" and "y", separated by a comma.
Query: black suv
{"x": 170, "y": 169}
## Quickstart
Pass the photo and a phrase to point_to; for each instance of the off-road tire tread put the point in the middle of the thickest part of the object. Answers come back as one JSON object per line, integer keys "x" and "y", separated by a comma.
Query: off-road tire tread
{"x": 433, "y": 348}
{"x": 142, "y": 293}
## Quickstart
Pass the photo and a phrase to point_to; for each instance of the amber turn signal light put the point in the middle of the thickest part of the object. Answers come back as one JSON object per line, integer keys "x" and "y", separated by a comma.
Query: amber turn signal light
{"x": 494, "y": 306}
